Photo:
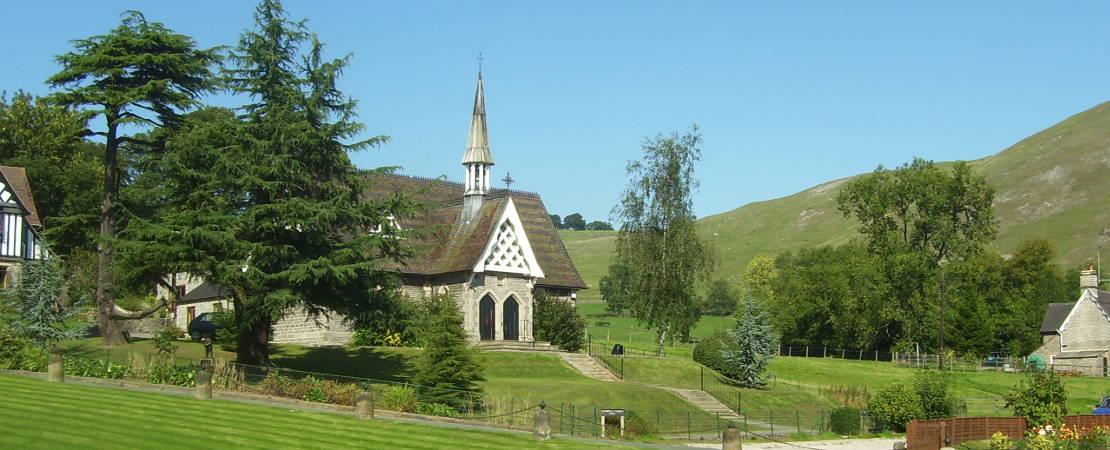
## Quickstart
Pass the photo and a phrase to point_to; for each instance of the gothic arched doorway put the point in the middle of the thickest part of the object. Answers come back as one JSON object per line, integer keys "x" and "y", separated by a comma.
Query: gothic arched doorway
{"x": 510, "y": 317}
{"x": 486, "y": 320}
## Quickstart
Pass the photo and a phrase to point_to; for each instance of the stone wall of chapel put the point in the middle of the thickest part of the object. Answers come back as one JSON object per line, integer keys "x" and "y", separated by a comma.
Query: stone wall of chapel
{"x": 1086, "y": 328}
{"x": 500, "y": 287}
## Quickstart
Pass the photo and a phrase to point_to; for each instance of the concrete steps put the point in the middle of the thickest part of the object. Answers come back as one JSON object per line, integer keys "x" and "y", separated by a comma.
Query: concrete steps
{"x": 706, "y": 402}
{"x": 515, "y": 346}
{"x": 587, "y": 366}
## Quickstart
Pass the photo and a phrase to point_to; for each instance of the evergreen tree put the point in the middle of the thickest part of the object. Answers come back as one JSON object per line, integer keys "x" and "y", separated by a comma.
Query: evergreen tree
{"x": 659, "y": 236}
{"x": 448, "y": 363}
{"x": 756, "y": 345}
{"x": 269, "y": 204}
{"x": 40, "y": 314}
{"x": 140, "y": 75}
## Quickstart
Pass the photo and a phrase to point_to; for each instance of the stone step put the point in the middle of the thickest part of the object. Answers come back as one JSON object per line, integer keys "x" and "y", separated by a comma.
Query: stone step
{"x": 587, "y": 366}
{"x": 706, "y": 402}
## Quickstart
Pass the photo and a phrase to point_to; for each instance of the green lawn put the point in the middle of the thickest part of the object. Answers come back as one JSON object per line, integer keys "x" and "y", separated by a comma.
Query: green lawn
{"x": 37, "y": 414}
{"x": 628, "y": 332}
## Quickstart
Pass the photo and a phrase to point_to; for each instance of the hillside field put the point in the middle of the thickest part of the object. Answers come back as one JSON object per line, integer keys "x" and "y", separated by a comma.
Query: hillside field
{"x": 1051, "y": 185}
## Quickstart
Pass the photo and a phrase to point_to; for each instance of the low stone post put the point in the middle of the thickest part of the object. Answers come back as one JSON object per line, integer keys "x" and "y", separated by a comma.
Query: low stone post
{"x": 541, "y": 430}
{"x": 730, "y": 438}
{"x": 55, "y": 370}
{"x": 364, "y": 404}
{"x": 204, "y": 385}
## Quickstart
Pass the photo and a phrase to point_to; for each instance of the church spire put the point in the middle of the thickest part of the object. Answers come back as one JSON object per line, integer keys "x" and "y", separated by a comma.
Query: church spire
{"x": 477, "y": 146}
{"x": 478, "y": 159}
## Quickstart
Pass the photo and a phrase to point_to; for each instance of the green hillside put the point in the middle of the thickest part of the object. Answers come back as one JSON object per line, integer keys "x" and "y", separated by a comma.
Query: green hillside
{"x": 1053, "y": 185}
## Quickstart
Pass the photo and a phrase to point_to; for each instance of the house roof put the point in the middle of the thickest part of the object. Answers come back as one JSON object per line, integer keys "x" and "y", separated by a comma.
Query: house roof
{"x": 17, "y": 180}
{"x": 1054, "y": 317}
{"x": 1103, "y": 302}
{"x": 446, "y": 245}
{"x": 206, "y": 291}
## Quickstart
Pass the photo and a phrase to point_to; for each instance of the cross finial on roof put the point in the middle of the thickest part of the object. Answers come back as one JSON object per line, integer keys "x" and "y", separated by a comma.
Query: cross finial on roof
{"x": 480, "y": 59}
{"x": 508, "y": 180}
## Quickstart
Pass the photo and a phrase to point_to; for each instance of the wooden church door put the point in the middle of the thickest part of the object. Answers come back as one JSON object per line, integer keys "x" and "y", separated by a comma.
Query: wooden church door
{"x": 511, "y": 318}
{"x": 485, "y": 318}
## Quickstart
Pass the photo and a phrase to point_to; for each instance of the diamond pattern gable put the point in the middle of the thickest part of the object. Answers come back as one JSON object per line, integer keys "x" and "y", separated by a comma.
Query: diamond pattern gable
{"x": 509, "y": 250}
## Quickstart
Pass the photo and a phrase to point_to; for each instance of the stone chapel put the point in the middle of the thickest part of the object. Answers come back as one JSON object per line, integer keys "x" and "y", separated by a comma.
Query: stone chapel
{"x": 491, "y": 249}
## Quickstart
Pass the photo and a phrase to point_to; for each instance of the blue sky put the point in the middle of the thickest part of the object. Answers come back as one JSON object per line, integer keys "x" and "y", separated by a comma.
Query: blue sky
{"x": 787, "y": 95}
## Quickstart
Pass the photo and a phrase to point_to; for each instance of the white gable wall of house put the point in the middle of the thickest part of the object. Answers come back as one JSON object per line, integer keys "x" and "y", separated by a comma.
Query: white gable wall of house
{"x": 1087, "y": 327}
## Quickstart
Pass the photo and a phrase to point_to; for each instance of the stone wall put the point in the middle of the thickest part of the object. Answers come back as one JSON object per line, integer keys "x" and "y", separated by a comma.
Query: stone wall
{"x": 299, "y": 327}
{"x": 499, "y": 287}
{"x": 1086, "y": 328}
{"x": 1049, "y": 348}
{"x": 1091, "y": 366}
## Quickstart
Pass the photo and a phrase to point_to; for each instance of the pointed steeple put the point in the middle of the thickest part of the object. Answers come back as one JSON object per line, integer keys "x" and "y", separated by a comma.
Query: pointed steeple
{"x": 477, "y": 146}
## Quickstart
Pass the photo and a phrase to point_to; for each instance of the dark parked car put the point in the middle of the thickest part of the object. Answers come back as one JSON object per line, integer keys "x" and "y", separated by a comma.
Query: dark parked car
{"x": 204, "y": 324}
{"x": 1103, "y": 409}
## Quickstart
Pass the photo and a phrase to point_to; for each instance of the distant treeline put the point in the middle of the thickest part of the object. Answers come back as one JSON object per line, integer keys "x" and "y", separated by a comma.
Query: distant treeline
{"x": 576, "y": 222}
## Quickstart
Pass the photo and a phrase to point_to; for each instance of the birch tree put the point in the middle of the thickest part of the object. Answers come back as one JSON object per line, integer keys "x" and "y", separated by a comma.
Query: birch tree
{"x": 658, "y": 239}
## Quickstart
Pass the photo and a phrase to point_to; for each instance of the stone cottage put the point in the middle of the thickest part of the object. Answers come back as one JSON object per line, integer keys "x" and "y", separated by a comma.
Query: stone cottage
{"x": 491, "y": 249}
{"x": 1076, "y": 336}
{"x": 20, "y": 225}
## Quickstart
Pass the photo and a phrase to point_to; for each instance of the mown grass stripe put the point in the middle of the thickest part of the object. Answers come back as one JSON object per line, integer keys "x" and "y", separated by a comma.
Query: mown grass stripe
{"x": 186, "y": 425}
{"x": 433, "y": 438}
{"x": 198, "y": 407}
{"x": 19, "y": 433}
{"x": 53, "y": 415}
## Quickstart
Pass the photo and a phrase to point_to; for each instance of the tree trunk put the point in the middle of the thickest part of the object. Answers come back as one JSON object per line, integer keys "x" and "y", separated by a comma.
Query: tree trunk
{"x": 105, "y": 281}
{"x": 253, "y": 344}
{"x": 253, "y": 338}
{"x": 662, "y": 342}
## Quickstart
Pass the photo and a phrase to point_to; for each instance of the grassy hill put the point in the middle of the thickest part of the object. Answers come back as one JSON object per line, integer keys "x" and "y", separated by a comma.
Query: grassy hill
{"x": 1053, "y": 185}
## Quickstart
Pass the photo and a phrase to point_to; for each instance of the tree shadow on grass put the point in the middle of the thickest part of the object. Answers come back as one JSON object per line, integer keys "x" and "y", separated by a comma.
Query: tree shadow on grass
{"x": 363, "y": 362}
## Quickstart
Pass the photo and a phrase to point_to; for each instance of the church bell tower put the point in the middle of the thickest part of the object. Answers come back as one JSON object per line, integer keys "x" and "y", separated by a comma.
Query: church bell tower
{"x": 478, "y": 159}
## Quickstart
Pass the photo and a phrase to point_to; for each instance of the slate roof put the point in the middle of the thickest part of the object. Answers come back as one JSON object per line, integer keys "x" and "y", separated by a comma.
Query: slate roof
{"x": 1054, "y": 317}
{"x": 206, "y": 291}
{"x": 17, "y": 181}
{"x": 1103, "y": 302}
{"x": 445, "y": 245}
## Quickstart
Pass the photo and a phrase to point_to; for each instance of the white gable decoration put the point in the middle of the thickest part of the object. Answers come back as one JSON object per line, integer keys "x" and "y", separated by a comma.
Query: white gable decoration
{"x": 509, "y": 251}
{"x": 5, "y": 194}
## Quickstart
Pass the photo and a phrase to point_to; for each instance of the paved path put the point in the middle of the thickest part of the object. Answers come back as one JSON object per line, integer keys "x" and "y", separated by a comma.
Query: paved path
{"x": 835, "y": 444}
{"x": 587, "y": 366}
